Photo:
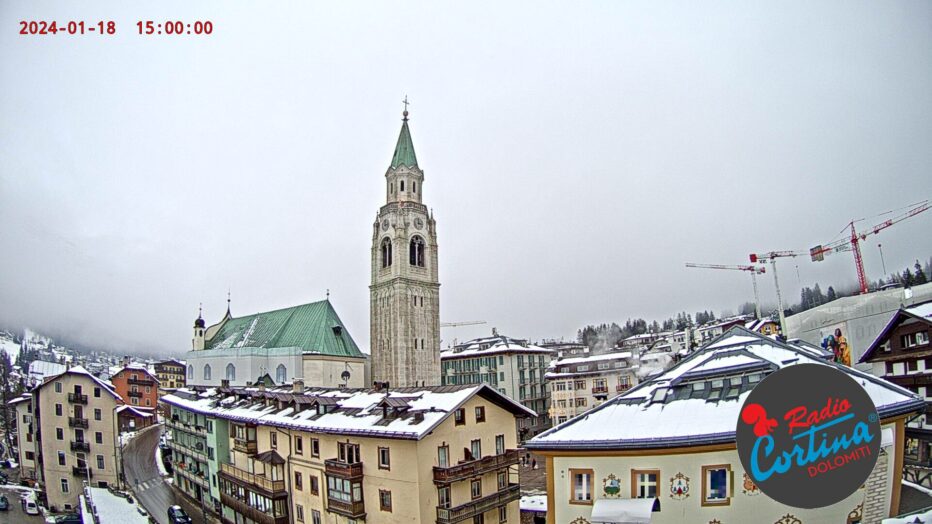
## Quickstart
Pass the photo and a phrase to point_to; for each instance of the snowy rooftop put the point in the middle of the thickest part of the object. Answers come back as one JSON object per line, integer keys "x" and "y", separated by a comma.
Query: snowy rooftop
{"x": 111, "y": 508}
{"x": 534, "y": 503}
{"x": 408, "y": 413}
{"x": 594, "y": 358}
{"x": 698, "y": 400}
{"x": 79, "y": 370}
{"x": 921, "y": 310}
{"x": 491, "y": 346}
{"x": 41, "y": 369}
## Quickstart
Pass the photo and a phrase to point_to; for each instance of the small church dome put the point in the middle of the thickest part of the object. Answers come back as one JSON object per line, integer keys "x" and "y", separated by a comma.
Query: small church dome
{"x": 199, "y": 323}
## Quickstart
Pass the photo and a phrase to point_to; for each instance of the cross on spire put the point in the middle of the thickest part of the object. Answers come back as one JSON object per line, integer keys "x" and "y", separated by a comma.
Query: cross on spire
{"x": 405, "y": 113}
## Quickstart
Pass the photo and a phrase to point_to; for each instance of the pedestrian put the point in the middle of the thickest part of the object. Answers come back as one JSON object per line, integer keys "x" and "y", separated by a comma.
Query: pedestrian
{"x": 534, "y": 463}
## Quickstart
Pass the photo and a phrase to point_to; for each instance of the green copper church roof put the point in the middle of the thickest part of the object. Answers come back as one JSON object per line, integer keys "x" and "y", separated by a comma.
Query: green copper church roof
{"x": 404, "y": 150}
{"x": 313, "y": 327}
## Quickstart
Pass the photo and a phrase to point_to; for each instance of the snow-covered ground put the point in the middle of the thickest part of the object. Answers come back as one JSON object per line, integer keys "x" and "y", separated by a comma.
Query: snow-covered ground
{"x": 159, "y": 463}
{"x": 113, "y": 509}
{"x": 7, "y": 344}
{"x": 126, "y": 437}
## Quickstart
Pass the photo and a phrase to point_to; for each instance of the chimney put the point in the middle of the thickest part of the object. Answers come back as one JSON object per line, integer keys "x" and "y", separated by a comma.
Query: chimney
{"x": 297, "y": 387}
{"x": 494, "y": 332}
{"x": 224, "y": 383}
{"x": 126, "y": 360}
{"x": 261, "y": 386}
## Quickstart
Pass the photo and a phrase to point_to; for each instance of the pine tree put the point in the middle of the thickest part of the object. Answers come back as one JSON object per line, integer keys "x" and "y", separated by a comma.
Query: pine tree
{"x": 920, "y": 277}
{"x": 907, "y": 278}
{"x": 830, "y": 294}
{"x": 8, "y": 391}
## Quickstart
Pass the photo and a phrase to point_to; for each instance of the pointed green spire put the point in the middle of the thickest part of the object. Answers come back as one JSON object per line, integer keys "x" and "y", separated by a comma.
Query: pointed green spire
{"x": 404, "y": 150}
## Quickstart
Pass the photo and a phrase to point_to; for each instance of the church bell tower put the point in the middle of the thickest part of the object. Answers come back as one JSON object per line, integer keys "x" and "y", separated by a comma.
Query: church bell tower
{"x": 404, "y": 297}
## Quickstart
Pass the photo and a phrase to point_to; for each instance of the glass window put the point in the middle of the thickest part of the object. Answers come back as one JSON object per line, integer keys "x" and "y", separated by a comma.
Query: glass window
{"x": 475, "y": 447}
{"x": 59, "y": 434}
{"x": 499, "y": 444}
{"x": 503, "y": 514}
{"x": 315, "y": 484}
{"x": 299, "y": 512}
{"x": 97, "y": 392}
{"x": 502, "y": 480}
{"x": 716, "y": 482}
{"x": 99, "y": 437}
{"x": 273, "y": 439}
{"x": 58, "y": 409}
{"x": 480, "y": 413}
{"x": 206, "y": 371}
{"x": 64, "y": 486}
{"x": 98, "y": 414}
{"x": 231, "y": 372}
{"x": 58, "y": 387}
{"x": 460, "y": 417}
{"x": 443, "y": 456}
{"x": 384, "y": 458}
{"x": 61, "y": 458}
{"x": 100, "y": 462}
{"x": 385, "y": 500}
{"x": 581, "y": 487}
{"x": 298, "y": 445}
{"x": 475, "y": 488}
{"x": 315, "y": 447}
{"x": 315, "y": 516}
{"x": 644, "y": 483}
{"x": 443, "y": 496}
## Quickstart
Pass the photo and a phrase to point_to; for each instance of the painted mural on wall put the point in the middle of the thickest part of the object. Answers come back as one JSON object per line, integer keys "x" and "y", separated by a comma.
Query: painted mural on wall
{"x": 749, "y": 487}
{"x": 611, "y": 485}
{"x": 679, "y": 486}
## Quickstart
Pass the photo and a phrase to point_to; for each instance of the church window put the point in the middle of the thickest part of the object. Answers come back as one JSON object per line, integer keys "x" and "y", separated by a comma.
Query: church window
{"x": 206, "y": 371}
{"x": 190, "y": 372}
{"x": 401, "y": 185}
{"x": 416, "y": 254}
{"x": 231, "y": 371}
{"x": 280, "y": 373}
{"x": 386, "y": 252}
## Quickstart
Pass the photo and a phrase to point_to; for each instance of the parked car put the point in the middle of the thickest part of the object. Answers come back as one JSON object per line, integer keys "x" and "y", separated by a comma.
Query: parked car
{"x": 30, "y": 506}
{"x": 4, "y": 503}
{"x": 176, "y": 515}
{"x": 71, "y": 518}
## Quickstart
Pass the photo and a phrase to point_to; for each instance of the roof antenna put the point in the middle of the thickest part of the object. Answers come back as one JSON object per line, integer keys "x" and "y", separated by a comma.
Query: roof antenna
{"x": 228, "y": 302}
{"x": 405, "y": 113}
{"x": 328, "y": 294}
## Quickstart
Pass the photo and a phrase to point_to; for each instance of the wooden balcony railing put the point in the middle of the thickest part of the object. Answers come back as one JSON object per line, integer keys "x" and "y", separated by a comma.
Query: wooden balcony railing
{"x": 141, "y": 381}
{"x": 343, "y": 469}
{"x": 82, "y": 471}
{"x": 622, "y": 388}
{"x": 600, "y": 390}
{"x": 80, "y": 446}
{"x": 466, "y": 470}
{"x": 77, "y": 398}
{"x": 478, "y": 506}
{"x": 245, "y": 446}
{"x": 75, "y": 422}
{"x": 353, "y": 510}
{"x": 239, "y": 476}
{"x": 250, "y": 512}
{"x": 137, "y": 394}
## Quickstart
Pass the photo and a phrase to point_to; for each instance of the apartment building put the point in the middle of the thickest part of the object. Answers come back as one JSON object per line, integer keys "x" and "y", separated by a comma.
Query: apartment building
{"x": 170, "y": 374}
{"x": 24, "y": 438}
{"x": 199, "y": 443}
{"x": 902, "y": 354}
{"x": 664, "y": 452}
{"x": 137, "y": 385}
{"x": 75, "y": 436}
{"x": 513, "y": 366}
{"x": 438, "y": 454}
{"x": 578, "y": 384}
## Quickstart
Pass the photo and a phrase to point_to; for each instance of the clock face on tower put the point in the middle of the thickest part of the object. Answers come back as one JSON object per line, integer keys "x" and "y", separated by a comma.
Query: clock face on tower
{"x": 418, "y": 223}
{"x": 385, "y": 225}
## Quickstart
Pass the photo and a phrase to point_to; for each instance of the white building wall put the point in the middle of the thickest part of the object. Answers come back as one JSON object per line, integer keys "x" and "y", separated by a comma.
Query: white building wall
{"x": 744, "y": 506}
{"x": 250, "y": 364}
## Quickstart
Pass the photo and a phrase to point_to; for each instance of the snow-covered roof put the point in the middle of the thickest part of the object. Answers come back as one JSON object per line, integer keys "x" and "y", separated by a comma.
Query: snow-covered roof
{"x": 593, "y": 358}
{"x": 698, "y": 401}
{"x": 79, "y": 370}
{"x": 22, "y": 398}
{"x": 533, "y": 503}
{"x": 133, "y": 411}
{"x": 136, "y": 368}
{"x": 41, "y": 369}
{"x": 412, "y": 412}
{"x": 111, "y": 508}
{"x": 919, "y": 312}
{"x": 492, "y": 346}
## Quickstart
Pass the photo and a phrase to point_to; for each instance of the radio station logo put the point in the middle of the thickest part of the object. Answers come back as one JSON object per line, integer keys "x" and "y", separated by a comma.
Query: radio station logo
{"x": 808, "y": 435}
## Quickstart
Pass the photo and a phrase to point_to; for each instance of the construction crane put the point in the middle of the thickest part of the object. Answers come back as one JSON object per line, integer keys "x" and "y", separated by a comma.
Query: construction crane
{"x": 852, "y": 243}
{"x": 754, "y": 270}
{"x": 458, "y": 324}
{"x": 772, "y": 258}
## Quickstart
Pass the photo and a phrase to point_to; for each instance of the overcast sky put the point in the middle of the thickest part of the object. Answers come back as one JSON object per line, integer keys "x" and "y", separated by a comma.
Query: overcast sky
{"x": 576, "y": 154}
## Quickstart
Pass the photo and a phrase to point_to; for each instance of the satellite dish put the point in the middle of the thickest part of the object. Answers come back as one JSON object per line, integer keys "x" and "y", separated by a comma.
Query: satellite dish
{"x": 345, "y": 376}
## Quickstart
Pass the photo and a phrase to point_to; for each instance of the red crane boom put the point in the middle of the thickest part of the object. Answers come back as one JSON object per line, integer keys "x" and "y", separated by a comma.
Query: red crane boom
{"x": 853, "y": 242}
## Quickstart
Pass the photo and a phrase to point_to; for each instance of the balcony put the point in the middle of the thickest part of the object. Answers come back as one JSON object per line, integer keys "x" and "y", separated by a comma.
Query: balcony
{"x": 80, "y": 446}
{"x": 77, "y": 398}
{"x": 253, "y": 480}
{"x": 75, "y": 422}
{"x": 191, "y": 452}
{"x": 343, "y": 469}
{"x": 600, "y": 390}
{"x": 250, "y": 512}
{"x": 353, "y": 510}
{"x": 140, "y": 382}
{"x": 621, "y": 388}
{"x": 245, "y": 446}
{"x": 192, "y": 475}
{"x": 467, "y": 470}
{"x": 82, "y": 471}
{"x": 478, "y": 506}
{"x": 185, "y": 427}
{"x": 137, "y": 394}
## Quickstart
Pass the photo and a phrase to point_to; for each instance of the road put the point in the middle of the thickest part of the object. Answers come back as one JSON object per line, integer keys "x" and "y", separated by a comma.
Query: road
{"x": 15, "y": 513}
{"x": 142, "y": 475}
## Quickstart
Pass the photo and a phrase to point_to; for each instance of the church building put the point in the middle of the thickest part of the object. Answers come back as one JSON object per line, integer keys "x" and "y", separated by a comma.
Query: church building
{"x": 307, "y": 342}
{"x": 405, "y": 291}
